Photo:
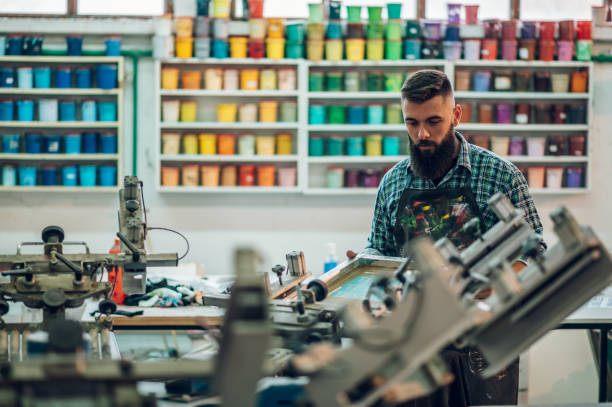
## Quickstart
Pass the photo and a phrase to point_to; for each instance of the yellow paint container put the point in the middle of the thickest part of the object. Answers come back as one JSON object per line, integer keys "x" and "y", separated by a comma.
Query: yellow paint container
{"x": 221, "y": 8}
{"x": 268, "y": 111}
{"x": 184, "y": 47}
{"x": 267, "y": 79}
{"x": 171, "y": 143}
{"x": 213, "y": 78}
{"x": 355, "y": 49}
{"x": 375, "y": 50}
{"x": 190, "y": 143}
{"x": 188, "y": 110}
{"x": 373, "y": 144}
{"x": 210, "y": 175}
{"x": 208, "y": 143}
{"x": 314, "y": 50}
{"x": 229, "y": 176}
{"x": 226, "y": 113}
{"x": 276, "y": 28}
{"x": 170, "y": 78}
{"x": 238, "y": 47}
{"x": 334, "y": 50}
{"x": 257, "y": 28}
{"x": 275, "y": 48}
{"x": 283, "y": 144}
{"x": 190, "y": 175}
{"x": 249, "y": 79}
{"x": 183, "y": 26}
{"x": 265, "y": 145}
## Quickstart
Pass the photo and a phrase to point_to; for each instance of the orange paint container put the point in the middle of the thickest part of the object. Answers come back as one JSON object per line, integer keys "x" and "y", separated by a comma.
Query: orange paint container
{"x": 210, "y": 175}
{"x": 191, "y": 79}
{"x": 170, "y": 176}
{"x": 228, "y": 176}
{"x": 249, "y": 79}
{"x": 227, "y": 144}
{"x": 266, "y": 175}
{"x": 190, "y": 175}
{"x": 247, "y": 175}
{"x": 579, "y": 81}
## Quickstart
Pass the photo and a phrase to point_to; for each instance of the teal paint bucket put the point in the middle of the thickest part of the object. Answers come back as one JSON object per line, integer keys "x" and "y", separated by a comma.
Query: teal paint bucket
{"x": 51, "y": 144}
{"x": 48, "y": 175}
{"x": 69, "y": 176}
{"x": 33, "y": 143}
{"x": 27, "y": 176}
{"x": 336, "y": 114}
{"x": 315, "y": 81}
{"x": 376, "y": 114}
{"x": 316, "y": 146}
{"x": 413, "y": 30}
{"x": 412, "y": 49}
{"x": 354, "y": 146}
{"x": 88, "y": 111}
{"x": 67, "y": 111}
{"x": 294, "y": 32}
{"x": 25, "y": 77}
{"x": 335, "y": 146}
{"x": 108, "y": 143}
{"x": 42, "y": 77}
{"x": 391, "y": 145}
{"x": 394, "y": 11}
{"x": 72, "y": 143}
{"x": 87, "y": 175}
{"x": 106, "y": 76}
{"x": 294, "y": 50}
{"x": 25, "y": 110}
{"x": 334, "y": 31}
{"x": 108, "y": 175}
{"x": 9, "y": 176}
{"x": 316, "y": 114}
{"x": 90, "y": 143}
{"x": 10, "y": 143}
{"x": 107, "y": 111}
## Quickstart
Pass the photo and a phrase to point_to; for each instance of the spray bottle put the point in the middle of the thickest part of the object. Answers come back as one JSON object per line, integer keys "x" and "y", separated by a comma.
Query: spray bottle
{"x": 331, "y": 260}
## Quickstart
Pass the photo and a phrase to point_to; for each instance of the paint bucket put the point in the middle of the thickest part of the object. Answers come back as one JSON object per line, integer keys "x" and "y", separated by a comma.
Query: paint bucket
{"x": 413, "y": 30}
{"x": 266, "y": 175}
{"x": 268, "y": 111}
{"x": 577, "y": 145}
{"x": 516, "y": 146}
{"x": 201, "y": 47}
{"x": 210, "y": 175}
{"x": 213, "y": 78}
{"x": 393, "y": 114}
{"x": 509, "y": 30}
{"x": 231, "y": 79}
{"x": 334, "y": 31}
{"x": 393, "y": 31}
{"x": 171, "y": 143}
{"x": 255, "y": 8}
{"x": 9, "y": 176}
{"x": 316, "y": 146}
{"x": 374, "y": 50}
{"x": 489, "y": 49}
{"x": 412, "y": 49}
{"x": 206, "y": 112}
{"x": 391, "y": 145}
{"x": 565, "y": 50}
{"x": 295, "y": 32}
{"x": 499, "y": 145}
{"x": 33, "y": 45}
{"x": 249, "y": 79}
{"x": 522, "y": 81}
{"x": 226, "y": 113}
{"x": 113, "y": 46}
{"x": 288, "y": 112}
{"x": 393, "y": 50}
{"x": 432, "y": 30}
{"x": 431, "y": 49}
{"x": 462, "y": 80}
{"x": 267, "y": 79}
{"x": 15, "y": 45}
{"x": 314, "y": 50}
{"x": 576, "y": 114}
{"x": 208, "y": 143}
{"x": 7, "y": 77}
{"x": 25, "y": 110}
{"x": 555, "y": 145}
{"x": 90, "y": 143}
{"x": 535, "y": 176}
{"x": 294, "y": 50}
{"x": 221, "y": 8}
{"x": 190, "y": 175}
{"x": 566, "y": 30}
{"x": 335, "y": 177}
{"x": 183, "y": 27}
{"x": 88, "y": 111}
{"x": 247, "y": 113}
{"x": 47, "y": 110}
{"x": 72, "y": 143}
{"x": 504, "y": 113}
{"x": 536, "y": 146}
{"x": 247, "y": 175}
{"x": 393, "y": 81}
{"x": 354, "y": 30}
{"x": 452, "y": 33}
{"x": 170, "y": 78}
{"x": 69, "y": 176}
{"x": 163, "y": 46}
{"x": 276, "y": 27}
{"x": 353, "y": 14}
{"x": 27, "y": 176}
{"x": 527, "y": 48}
{"x": 106, "y": 76}
{"x": 275, "y": 48}
{"x": 375, "y": 81}
{"x": 573, "y": 177}
{"x": 356, "y": 114}
{"x": 228, "y": 176}
{"x": 579, "y": 81}
{"x": 369, "y": 178}
{"x": 351, "y": 178}
{"x": 542, "y": 113}
{"x": 25, "y": 77}
{"x": 485, "y": 112}
{"x": 170, "y": 110}
{"x": 376, "y": 114}
{"x": 351, "y": 81}
{"x": 523, "y": 113}
{"x": 502, "y": 80}
{"x": 394, "y": 11}
{"x": 452, "y": 49}
{"x": 375, "y": 14}
{"x": 184, "y": 47}
{"x": 7, "y": 110}
{"x": 336, "y": 114}
{"x": 559, "y": 114}
{"x": 466, "y": 111}
{"x": 284, "y": 144}
{"x": 170, "y": 176}
{"x": 482, "y": 80}
{"x": 584, "y": 30}
{"x": 554, "y": 176}
{"x": 355, "y": 49}
{"x": 87, "y": 175}
{"x": 354, "y": 146}
{"x": 257, "y": 28}
{"x": 509, "y": 49}
{"x": 238, "y": 47}
{"x": 108, "y": 175}
{"x": 335, "y": 146}
{"x": 560, "y": 82}
{"x": 201, "y": 26}
{"x": 287, "y": 177}
{"x": 63, "y": 77}
{"x": 583, "y": 50}
{"x": 226, "y": 144}
{"x": 42, "y": 77}
{"x": 107, "y": 111}
{"x": 33, "y": 143}
{"x": 74, "y": 45}
{"x": 528, "y": 30}
{"x": 334, "y": 50}
{"x": 373, "y": 144}
{"x": 49, "y": 175}
{"x": 547, "y": 50}
{"x": 190, "y": 144}
{"x": 108, "y": 143}
{"x": 542, "y": 82}
{"x": 316, "y": 31}
{"x": 316, "y": 114}
{"x": 287, "y": 79}
{"x": 257, "y": 48}
{"x": 189, "y": 79}
{"x": 471, "y": 14}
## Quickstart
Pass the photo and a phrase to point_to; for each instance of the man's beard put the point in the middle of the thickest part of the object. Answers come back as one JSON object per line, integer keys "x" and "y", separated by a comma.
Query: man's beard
{"x": 433, "y": 164}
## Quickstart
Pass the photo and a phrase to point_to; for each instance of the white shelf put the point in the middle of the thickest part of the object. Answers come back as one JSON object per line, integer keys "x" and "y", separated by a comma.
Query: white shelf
{"x": 376, "y": 128}
{"x": 558, "y": 191}
{"x": 383, "y": 159}
{"x": 523, "y": 64}
{"x": 234, "y": 93}
{"x": 217, "y": 125}
{"x": 546, "y": 159}
{"x": 341, "y": 191}
{"x": 521, "y": 95}
{"x": 230, "y": 61}
{"x": 58, "y": 188}
{"x": 60, "y": 157}
{"x": 59, "y": 59}
{"x": 229, "y": 158}
{"x": 521, "y": 127}
{"x": 383, "y": 63}
{"x": 59, "y": 91}
{"x": 354, "y": 95}
{"x": 61, "y": 125}
{"x": 223, "y": 190}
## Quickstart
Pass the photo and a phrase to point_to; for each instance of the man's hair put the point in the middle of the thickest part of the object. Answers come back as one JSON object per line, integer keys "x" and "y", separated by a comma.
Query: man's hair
{"x": 426, "y": 84}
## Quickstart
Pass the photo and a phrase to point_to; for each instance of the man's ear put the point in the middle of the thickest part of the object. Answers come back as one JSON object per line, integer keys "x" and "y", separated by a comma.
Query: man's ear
{"x": 456, "y": 115}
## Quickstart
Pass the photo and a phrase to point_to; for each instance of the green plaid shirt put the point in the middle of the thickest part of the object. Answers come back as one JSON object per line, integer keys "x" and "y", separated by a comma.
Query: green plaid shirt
{"x": 489, "y": 173}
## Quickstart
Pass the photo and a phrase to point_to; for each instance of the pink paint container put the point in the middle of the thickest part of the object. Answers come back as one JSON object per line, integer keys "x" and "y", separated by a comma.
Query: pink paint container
{"x": 565, "y": 50}
{"x": 509, "y": 49}
{"x": 504, "y": 113}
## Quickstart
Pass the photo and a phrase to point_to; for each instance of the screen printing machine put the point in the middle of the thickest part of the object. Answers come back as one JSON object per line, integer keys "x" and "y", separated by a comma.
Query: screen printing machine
{"x": 369, "y": 332}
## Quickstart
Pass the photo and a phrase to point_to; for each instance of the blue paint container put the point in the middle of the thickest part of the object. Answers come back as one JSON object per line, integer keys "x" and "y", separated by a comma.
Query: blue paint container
{"x": 42, "y": 77}
{"x": 88, "y": 111}
{"x": 108, "y": 143}
{"x": 69, "y": 176}
{"x": 316, "y": 146}
{"x": 72, "y": 143}
{"x": 74, "y": 45}
{"x": 106, "y": 76}
{"x": 9, "y": 176}
{"x": 49, "y": 175}
{"x": 107, "y": 111}
{"x": 576, "y": 114}
{"x": 27, "y": 176}
{"x": 7, "y": 77}
{"x": 528, "y": 30}
{"x": 376, "y": 114}
{"x": 220, "y": 48}
{"x": 63, "y": 77}
{"x": 52, "y": 144}
{"x": 83, "y": 77}
{"x": 7, "y": 110}
{"x": 412, "y": 49}
{"x": 15, "y": 45}
{"x": 316, "y": 114}
{"x": 573, "y": 177}
{"x": 47, "y": 110}
{"x": 356, "y": 114}
{"x": 25, "y": 110}
{"x": 25, "y": 77}
{"x": 482, "y": 80}
{"x": 33, "y": 45}
{"x": 452, "y": 33}
{"x": 108, "y": 175}
{"x": 33, "y": 142}
{"x": 87, "y": 175}
{"x": 10, "y": 143}
{"x": 90, "y": 143}
{"x": 391, "y": 145}
{"x": 2, "y": 44}
{"x": 354, "y": 146}
{"x": 113, "y": 46}
{"x": 67, "y": 111}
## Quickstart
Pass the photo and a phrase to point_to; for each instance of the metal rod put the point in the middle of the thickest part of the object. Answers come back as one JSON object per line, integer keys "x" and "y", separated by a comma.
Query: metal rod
{"x": 15, "y": 346}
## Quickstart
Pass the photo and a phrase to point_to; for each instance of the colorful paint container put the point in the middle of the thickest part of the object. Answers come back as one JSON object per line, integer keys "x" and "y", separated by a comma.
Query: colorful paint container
{"x": 482, "y": 80}
{"x": 48, "y": 110}
{"x": 231, "y": 79}
{"x": 542, "y": 113}
{"x": 247, "y": 113}
{"x": 376, "y": 114}
{"x": 584, "y": 30}
{"x": 314, "y": 50}
{"x": 87, "y": 175}
{"x": 287, "y": 177}
{"x": 256, "y": 8}
{"x": 522, "y": 81}
{"x": 527, "y": 48}
{"x": 113, "y": 46}
{"x": 393, "y": 50}
{"x": 276, "y": 28}
{"x": 106, "y": 76}
{"x": 432, "y": 30}
{"x": 33, "y": 143}
{"x": 25, "y": 77}
{"x": 584, "y": 50}
{"x": 72, "y": 143}
{"x": 249, "y": 79}
{"x": 523, "y": 113}
{"x": 373, "y": 144}
{"x": 452, "y": 50}
{"x": 335, "y": 177}
{"x": 374, "y": 50}
{"x": 374, "y": 31}
{"x": 391, "y": 145}
{"x": 171, "y": 143}
{"x": 190, "y": 144}
{"x": 90, "y": 143}
{"x": 208, "y": 143}
{"x": 316, "y": 146}
{"x": 294, "y": 50}
{"x": 355, "y": 49}
{"x": 226, "y": 144}
{"x": 266, "y": 175}
{"x": 509, "y": 50}
{"x": 201, "y": 47}
{"x": 413, "y": 30}
{"x": 335, "y": 146}
{"x": 528, "y": 30}
{"x": 375, "y": 14}
{"x": 247, "y": 175}
{"x": 107, "y": 111}
{"x": 336, "y": 114}
{"x": 220, "y": 49}
{"x": 51, "y": 144}
{"x": 502, "y": 80}
{"x": 268, "y": 111}
{"x": 393, "y": 113}
{"x": 88, "y": 111}
{"x": 288, "y": 112}
{"x": 315, "y": 81}
{"x": 375, "y": 81}
{"x": 354, "y": 146}
{"x": 108, "y": 143}
{"x": 210, "y": 175}
{"x": 7, "y": 110}
{"x": 170, "y": 110}
{"x": 63, "y": 77}
{"x": 287, "y": 79}
{"x": 466, "y": 111}
{"x": 69, "y": 176}
{"x": 356, "y": 114}
{"x": 576, "y": 114}
{"x": 226, "y": 112}
{"x": 393, "y": 81}
{"x": 516, "y": 146}
{"x": 9, "y": 176}
{"x": 334, "y": 31}
{"x": 547, "y": 50}
{"x": 504, "y": 113}
{"x": 49, "y": 175}
{"x": 15, "y": 45}
{"x": 25, "y": 110}
{"x": 316, "y": 114}
{"x": 189, "y": 79}
{"x": 565, "y": 50}
{"x": 488, "y": 49}
{"x": 107, "y": 175}
{"x": 334, "y": 50}
{"x": 295, "y": 32}
{"x": 431, "y": 49}
{"x": 238, "y": 47}
{"x": 268, "y": 79}
{"x": 536, "y": 146}
{"x": 315, "y": 31}
{"x": 412, "y": 49}
{"x": 228, "y": 176}
{"x": 577, "y": 145}
{"x": 264, "y": 145}
{"x": 509, "y": 30}
{"x": 573, "y": 177}
{"x": 485, "y": 112}
{"x": 170, "y": 176}
{"x": 27, "y": 176}
{"x": 275, "y": 48}
{"x": 74, "y": 44}
{"x": 353, "y": 14}
{"x": 333, "y": 81}
{"x": 42, "y": 77}
{"x": 284, "y": 144}
{"x": 555, "y": 144}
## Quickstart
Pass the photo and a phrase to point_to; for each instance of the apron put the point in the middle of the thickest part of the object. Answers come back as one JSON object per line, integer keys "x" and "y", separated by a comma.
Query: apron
{"x": 438, "y": 213}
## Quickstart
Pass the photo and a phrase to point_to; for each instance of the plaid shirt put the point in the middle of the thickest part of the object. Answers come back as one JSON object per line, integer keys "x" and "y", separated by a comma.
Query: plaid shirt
{"x": 490, "y": 174}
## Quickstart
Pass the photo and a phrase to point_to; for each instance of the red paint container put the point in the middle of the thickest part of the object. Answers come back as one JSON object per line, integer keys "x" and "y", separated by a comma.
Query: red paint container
{"x": 257, "y": 48}
{"x": 547, "y": 50}
{"x": 583, "y": 30}
{"x": 489, "y": 49}
{"x": 559, "y": 115}
{"x": 509, "y": 49}
{"x": 566, "y": 30}
{"x": 527, "y": 48}
{"x": 247, "y": 175}
{"x": 547, "y": 30}
{"x": 523, "y": 114}
{"x": 508, "y": 30}
{"x": 576, "y": 144}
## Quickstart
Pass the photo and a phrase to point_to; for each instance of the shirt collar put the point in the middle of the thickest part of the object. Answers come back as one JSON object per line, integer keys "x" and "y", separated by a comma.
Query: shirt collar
{"x": 463, "y": 159}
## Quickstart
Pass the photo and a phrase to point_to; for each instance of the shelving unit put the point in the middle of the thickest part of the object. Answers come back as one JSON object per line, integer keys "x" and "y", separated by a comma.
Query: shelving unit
{"x": 310, "y": 169}
{"x": 46, "y": 128}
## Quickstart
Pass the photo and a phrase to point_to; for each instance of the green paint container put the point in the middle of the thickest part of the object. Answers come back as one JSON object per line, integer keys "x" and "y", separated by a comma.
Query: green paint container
{"x": 375, "y": 14}
{"x": 375, "y": 31}
{"x": 315, "y": 146}
{"x": 354, "y": 146}
{"x": 294, "y": 50}
{"x": 394, "y": 11}
{"x": 393, "y": 30}
{"x": 294, "y": 33}
{"x": 351, "y": 81}
{"x": 315, "y": 81}
{"x": 335, "y": 177}
{"x": 393, "y": 50}
{"x": 413, "y": 30}
{"x": 375, "y": 82}
{"x": 393, "y": 81}
{"x": 336, "y": 114}
{"x": 354, "y": 14}
{"x": 393, "y": 114}
{"x": 583, "y": 50}
{"x": 335, "y": 146}
{"x": 315, "y": 12}
{"x": 333, "y": 81}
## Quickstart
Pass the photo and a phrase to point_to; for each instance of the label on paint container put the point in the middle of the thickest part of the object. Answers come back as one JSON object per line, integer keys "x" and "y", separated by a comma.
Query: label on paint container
{"x": 503, "y": 83}
{"x": 521, "y": 118}
{"x": 53, "y": 146}
{"x": 523, "y": 53}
